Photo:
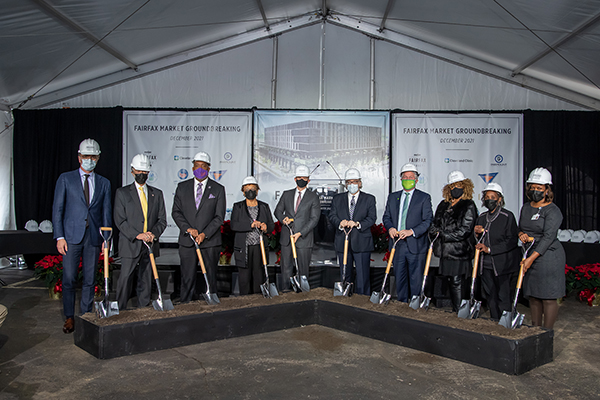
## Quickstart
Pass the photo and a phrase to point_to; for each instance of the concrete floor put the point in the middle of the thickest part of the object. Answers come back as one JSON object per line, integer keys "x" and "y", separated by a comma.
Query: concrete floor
{"x": 38, "y": 361}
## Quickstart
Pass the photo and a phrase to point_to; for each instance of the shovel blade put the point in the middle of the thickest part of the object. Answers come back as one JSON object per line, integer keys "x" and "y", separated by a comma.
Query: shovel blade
{"x": 415, "y": 302}
{"x": 304, "y": 286}
{"x": 211, "y": 298}
{"x": 464, "y": 309}
{"x": 475, "y": 310}
{"x": 375, "y": 297}
{"x": 348, "y": 290}
{"x": 295, "y": 283}
{"x": 385, "y": 298}
{"x": 341, "y": 289}
{"x": 264, "y": 288}
{"x": 425, "y": 303}
{"x": 273, "y": 290}
{"x": 106, "y": 309}
{"x": 511, "y": 320}
{"x": 162, "y": 305}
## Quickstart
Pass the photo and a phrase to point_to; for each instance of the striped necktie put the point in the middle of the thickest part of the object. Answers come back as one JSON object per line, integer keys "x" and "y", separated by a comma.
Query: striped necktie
{"x": 352, "y": 205}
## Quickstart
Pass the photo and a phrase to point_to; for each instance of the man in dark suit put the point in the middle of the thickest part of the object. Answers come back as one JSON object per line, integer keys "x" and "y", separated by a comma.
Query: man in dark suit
{"x": 139, "y": 215}
{"x": 81, "y": 206}
{"x": 357, "y": 210}
{"x": 198, "y": 210}
{"x": 304, "y": 208}
{"x": 407, "y": 216}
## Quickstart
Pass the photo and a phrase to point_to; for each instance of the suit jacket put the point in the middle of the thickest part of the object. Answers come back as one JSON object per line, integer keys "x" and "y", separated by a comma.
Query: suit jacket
{"x": 307, "y": 218}
{"x": 418, "y": 218}
{"x": 207, "y": 219}
{"x": 129, "y": 218}
{"x": 240, "y": 224}
{"x": 365, "y": 212}
{"x": 70, "y": 211}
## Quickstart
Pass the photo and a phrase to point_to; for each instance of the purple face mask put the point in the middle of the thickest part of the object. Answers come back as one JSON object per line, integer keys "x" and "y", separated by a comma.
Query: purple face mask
{"x": 200, "y": 173}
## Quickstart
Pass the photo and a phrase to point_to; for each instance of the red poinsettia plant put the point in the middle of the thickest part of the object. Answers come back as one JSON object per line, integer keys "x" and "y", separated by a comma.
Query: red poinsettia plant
{"x": 584, "y": 280}
{"x": 381, "y": 240}
{"x": 227, "y": 238}
{"x": 50, "y": 270}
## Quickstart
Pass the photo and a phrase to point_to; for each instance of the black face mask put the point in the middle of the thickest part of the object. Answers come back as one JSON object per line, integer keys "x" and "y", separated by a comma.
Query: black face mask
{"x": 141, "y": 178}
{"x": 490, "y": 204}
{"x": 535, "y": 195}
{"x": 250, "y": 194}
{"x": 301, "y": 183}
{"x": 457, "y": 193}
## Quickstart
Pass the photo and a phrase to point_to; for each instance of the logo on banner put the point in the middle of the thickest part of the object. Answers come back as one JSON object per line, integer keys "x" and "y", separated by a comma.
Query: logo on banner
{"x": 228, "y": 157}
{"x": 488, "y": 178}
{"x": 152, "y": 177}
{"x": 462, "y": 160}
{"x": 180, "y": 158}
{"x": 498, "y": 161}
{"x": 217, "y": 175}
{"x": 182, "y": 174}
{"x": 176, "y": 158}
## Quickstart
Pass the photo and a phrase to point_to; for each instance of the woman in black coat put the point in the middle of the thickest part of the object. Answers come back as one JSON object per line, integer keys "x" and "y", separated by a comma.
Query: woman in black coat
{"x": 454, "y": 220}
{"x": 248, "y": 215}
{"x": 499, "y": 250}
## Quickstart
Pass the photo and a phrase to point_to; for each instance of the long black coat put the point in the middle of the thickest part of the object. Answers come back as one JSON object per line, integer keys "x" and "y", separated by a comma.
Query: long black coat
{"x": 455, "y": 225}
{"x": 502, "y": 239}
{"x": 240, "y": 224}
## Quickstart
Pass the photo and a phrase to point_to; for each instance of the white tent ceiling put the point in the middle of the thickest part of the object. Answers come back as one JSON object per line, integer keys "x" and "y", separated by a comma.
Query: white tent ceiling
{"x": 54, "y": 50}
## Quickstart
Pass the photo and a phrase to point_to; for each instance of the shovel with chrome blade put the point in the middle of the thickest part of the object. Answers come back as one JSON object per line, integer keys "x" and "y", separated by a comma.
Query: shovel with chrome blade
{"x": 512, "y": 319}
{"x": 383, "y": 297}
{"x": 422, "y": 301}
{"x": 344, "y": 288}
{"x": 106, "y": 308}
{"x": 211, "y": 298}
{"x": 268, "y": 290}
{"x": 299, "y": 282}
{"x": 158, "y": 304}
{"x": 469, "y": 309}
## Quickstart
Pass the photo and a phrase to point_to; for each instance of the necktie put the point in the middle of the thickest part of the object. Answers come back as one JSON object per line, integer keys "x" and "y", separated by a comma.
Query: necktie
{"x": 86, "y": 189}
{"x": 198, "y": 195}
{"x": 144, "y": 202}
{"x": 404, "y": 211}
{"x": 352, "y": 205}
{"x": 298, "y": 202}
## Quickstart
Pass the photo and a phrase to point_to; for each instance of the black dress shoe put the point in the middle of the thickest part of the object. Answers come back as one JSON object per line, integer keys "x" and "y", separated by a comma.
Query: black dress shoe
{"x": 69, "y": 325}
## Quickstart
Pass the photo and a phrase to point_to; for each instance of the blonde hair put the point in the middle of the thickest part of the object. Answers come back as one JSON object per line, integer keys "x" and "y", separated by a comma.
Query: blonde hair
{"x": 468, "y": 188}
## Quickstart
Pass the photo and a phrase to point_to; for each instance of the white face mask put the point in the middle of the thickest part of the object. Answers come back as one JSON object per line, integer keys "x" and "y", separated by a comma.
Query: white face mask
{"x": 353, "y": 188}
{"x": 88, "y": 164}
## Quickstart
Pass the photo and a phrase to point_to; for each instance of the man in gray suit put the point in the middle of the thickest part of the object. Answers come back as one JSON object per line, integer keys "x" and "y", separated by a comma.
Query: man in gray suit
{"x": 304, "y": 208}
{"x": 139, "y": 214}
{"x": 198, "y": 210}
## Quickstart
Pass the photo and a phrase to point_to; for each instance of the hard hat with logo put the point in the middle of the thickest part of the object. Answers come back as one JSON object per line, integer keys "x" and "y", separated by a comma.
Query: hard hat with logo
{"x": 141, "y": 162}
{"x": 89, "y": 147}
{"x": 455, "y": 176}
{"x": 202, "y": 156}
{"x": 541, "y": 176}
{"x": 302, "y": 170}
{"x": 409, "y": 168}
{"x": 493, "y": 187}
{"x": 249, "y": 180}
{"x": 352, "y": 173}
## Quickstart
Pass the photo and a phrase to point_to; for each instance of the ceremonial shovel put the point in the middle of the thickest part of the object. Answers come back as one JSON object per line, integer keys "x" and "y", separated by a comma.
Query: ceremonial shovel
{"x": 268, "y": 289}
{"x": 106, "y": 308}
{"x": 423, "y": 301}
{"x": 158, "y": 304}
{"x": 512, "y": 319}
{"x": 299, "y": 282}
{"x": 344, "y": 288}
{"x": 469, "y": 309}
{"x": 211, "y": 298}
{"x": 383, "y": 297}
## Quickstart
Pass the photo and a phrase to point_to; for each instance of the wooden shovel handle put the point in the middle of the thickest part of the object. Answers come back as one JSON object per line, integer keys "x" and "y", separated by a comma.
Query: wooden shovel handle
{"x": 520, "y": 281}
{"x": 201, "y": 260}
{"x": 153, "y": 263}
{"x": 390, "y": 260}
{"x": 105, "y": 251}
{"x": 262, "y": 251}
{"x": 346, "y": 251}
{"x": 293, "y": 243}
{"x": 475, "y": 263}
{"x": 428, "y": 262}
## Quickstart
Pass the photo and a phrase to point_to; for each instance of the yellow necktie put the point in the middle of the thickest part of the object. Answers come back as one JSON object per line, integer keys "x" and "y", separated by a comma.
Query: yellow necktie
{"x": 144, "y": 208}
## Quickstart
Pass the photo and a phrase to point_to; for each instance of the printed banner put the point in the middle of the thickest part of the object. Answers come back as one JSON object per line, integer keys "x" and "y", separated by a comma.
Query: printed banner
{"x": 485, "y": 147}
{"x": 172, "y": 138}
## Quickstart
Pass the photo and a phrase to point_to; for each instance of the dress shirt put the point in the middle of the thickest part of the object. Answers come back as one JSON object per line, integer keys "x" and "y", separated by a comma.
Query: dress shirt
{"x": 196, "y": 183}
{"x": 404, "y": 192}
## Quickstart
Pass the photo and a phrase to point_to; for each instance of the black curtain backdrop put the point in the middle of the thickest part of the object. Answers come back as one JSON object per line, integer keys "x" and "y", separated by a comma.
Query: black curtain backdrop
{"x": 567, "y": 143}
{"x": 45, "y": 145}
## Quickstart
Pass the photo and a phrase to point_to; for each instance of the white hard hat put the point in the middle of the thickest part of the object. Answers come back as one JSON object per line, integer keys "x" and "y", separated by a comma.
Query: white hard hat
{"x": 578, "y": 236}
{"x": 89, "y": 147}
{"x": 455, "y": 176}
{"x": 31, "y": 225}
{"x": 352, "y": 173}
{"x": 541, "y": 176}
{"x": 494, "y": 187}
{"x": 141, "y": 162}
{"x": 409, "y": 168}
{"x": 202, "y": 156}
{"x": 249, "y": 180}
{"x": 46, "y": 226}
{"x": 302, "y": 170}
{"x": 592, "y": 237}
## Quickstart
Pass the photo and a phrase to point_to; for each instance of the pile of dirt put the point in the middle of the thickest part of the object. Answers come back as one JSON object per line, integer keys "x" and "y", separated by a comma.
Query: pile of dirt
{"x": 433, "y": 315}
